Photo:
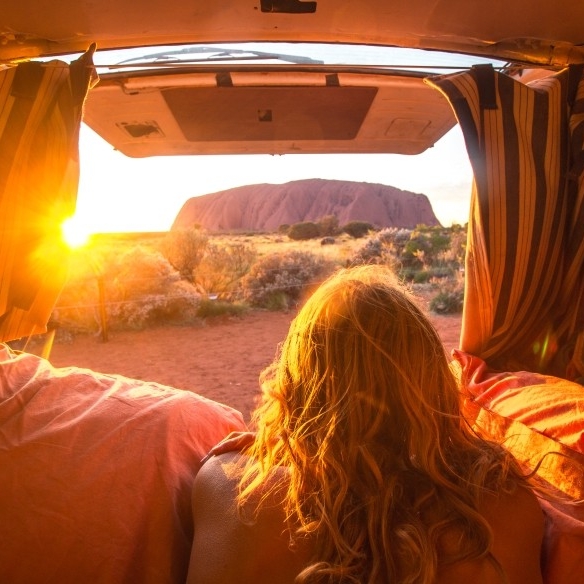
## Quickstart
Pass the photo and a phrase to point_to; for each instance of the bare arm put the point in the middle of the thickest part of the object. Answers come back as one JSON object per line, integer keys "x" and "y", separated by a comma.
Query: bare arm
{"x": 226, "y": 550}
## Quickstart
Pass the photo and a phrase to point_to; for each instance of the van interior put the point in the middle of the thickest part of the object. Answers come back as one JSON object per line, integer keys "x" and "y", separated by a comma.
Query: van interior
{"x": 322, "y": 76}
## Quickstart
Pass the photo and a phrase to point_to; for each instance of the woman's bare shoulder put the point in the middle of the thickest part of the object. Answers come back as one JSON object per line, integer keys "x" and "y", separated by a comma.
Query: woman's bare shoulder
{"x": 219, "y": 474}
{"x": 227, "y": 549}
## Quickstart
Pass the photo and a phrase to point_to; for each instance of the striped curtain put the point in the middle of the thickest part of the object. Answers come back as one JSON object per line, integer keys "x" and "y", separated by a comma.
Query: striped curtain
{"x": 40, "y": 115}
{"x": 524, "y": 291}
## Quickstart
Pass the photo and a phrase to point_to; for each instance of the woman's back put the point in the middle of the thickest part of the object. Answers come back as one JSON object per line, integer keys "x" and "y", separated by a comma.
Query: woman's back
{"x": 226, "y": 551}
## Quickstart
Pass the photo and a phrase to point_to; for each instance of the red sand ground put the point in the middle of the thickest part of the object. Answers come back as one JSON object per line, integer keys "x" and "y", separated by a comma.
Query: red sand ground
{"x": 220, "y": 360}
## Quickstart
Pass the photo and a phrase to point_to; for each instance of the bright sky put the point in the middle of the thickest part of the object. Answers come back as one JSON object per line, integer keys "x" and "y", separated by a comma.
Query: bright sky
{"x": 117, "y": 193}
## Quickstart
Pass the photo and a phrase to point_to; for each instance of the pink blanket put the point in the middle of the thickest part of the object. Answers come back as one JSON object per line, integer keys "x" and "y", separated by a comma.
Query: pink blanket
{"x": 96, "y": 474}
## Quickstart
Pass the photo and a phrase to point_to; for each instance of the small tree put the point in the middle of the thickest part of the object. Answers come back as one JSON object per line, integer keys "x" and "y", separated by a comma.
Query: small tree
{"x": 184, "y": 249}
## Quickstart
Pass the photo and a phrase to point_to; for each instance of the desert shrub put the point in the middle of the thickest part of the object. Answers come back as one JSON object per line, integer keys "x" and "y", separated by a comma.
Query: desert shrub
{"x": 421, "y": 276}
{"x": 303, "y": 231}
{"x": 439, "y": 241}
{"x": 426, "y": 246}
{"x": 371, "y": 252}
{"x": 142, "y": 289}
{"x": 441, "y": 272}
{"x": 394, "y": 237}
{"x": 222, "y": 267}
{"x": 407, "y": 252}
{"x": 137, "y": 271}
{"x": 377, "y": 249}
{"x": 447, "y": 302}
{"x": 211, "y": 308}
{"x": 450, "y": 297}
{"x": 328, "y": 225}
{"x": 415, "y": 250}
{"x": 357, "y": 229}
{"x": 408, "y": 273}
{"x": 327, "y": 240}
{"x": 139, "y": 287}
{"x": 184, "y": 249}
{"x": 106, "y": 276}
{"x": 176, "y": 305}
{"x": 278, "y": 280}
{"x": 277, "y": 301}
{"x": 457, "y": 252}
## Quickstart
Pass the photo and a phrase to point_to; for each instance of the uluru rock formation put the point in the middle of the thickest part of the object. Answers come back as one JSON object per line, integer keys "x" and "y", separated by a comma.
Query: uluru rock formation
{"x": 265, "y": 207}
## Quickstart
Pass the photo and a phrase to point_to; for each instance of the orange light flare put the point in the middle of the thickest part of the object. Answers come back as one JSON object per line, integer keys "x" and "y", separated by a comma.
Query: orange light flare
{"x": 75, "y": 233}
{"x": 545, "y": 349}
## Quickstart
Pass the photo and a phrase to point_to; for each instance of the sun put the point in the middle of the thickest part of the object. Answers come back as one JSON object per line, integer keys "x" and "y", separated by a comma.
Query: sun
{"x": 74, "y": 232}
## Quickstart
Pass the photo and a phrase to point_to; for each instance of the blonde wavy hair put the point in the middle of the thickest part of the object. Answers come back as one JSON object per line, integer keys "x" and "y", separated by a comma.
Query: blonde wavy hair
{"x": 363, "y": 412}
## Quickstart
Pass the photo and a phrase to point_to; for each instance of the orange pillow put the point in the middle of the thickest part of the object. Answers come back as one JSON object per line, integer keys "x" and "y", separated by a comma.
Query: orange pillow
{"x": 548, "y": 405}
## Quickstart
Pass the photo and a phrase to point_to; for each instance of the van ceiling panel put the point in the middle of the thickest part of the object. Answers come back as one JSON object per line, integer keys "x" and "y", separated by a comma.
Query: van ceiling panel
{"x": 546, "y": 32}
{"x": 275, "y": 112}
{"x": 269, "y": 113}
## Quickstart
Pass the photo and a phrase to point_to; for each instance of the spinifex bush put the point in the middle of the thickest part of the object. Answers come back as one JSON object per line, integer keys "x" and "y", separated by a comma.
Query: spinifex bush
{"x": 278, "y": 280}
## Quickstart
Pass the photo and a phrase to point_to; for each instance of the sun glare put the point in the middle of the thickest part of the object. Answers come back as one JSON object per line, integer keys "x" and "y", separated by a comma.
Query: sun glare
{"x": 75, "y": 233}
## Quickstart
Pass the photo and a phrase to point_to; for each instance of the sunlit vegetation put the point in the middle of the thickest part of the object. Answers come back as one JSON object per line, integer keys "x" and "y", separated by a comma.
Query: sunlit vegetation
{"x": 278, "y": 280}
{"x": 133, "y": 281}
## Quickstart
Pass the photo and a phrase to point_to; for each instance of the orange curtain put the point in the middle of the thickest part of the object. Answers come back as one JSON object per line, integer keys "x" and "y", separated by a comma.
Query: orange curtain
{"x": 40, "y": 116}
{"x": 524, "y": 294}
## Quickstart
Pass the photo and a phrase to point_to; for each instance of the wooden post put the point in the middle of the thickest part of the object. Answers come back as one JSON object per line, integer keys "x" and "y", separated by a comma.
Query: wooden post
{"x": 102, "y": 312}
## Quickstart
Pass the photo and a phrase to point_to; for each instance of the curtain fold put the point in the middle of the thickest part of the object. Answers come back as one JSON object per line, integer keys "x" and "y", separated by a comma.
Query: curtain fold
{"x": 523, "y": 305}
{"x": 40, "y": 116}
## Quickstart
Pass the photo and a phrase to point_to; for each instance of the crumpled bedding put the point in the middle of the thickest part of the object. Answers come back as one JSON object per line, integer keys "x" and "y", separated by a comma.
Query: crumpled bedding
{"x": 540, "y": 419}
{"x": 96, "y": 474}
{"x": 549, "y": 405}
